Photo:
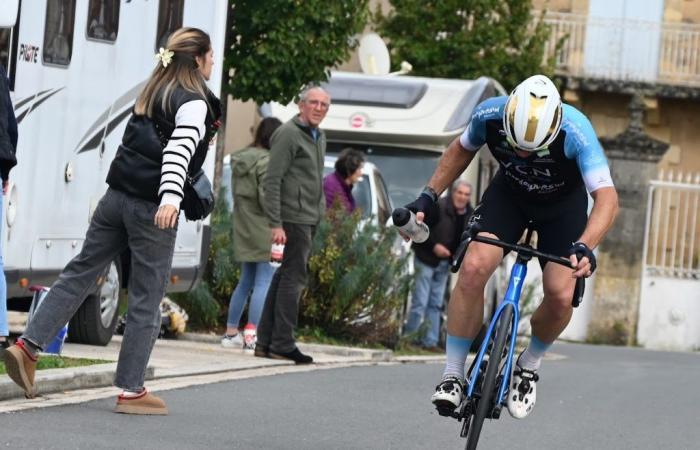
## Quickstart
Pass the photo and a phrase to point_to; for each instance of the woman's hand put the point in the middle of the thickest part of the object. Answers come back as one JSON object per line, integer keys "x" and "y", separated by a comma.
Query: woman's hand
{"x": 166, "y": 217}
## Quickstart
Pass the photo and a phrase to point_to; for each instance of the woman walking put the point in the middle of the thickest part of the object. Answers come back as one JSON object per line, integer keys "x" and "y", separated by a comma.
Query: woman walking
{"x": 251, "y": 236}
{"x": 166, "y": 138}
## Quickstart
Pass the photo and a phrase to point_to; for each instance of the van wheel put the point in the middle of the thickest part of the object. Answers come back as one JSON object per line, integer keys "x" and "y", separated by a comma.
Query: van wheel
{"x": 96, "y": 319}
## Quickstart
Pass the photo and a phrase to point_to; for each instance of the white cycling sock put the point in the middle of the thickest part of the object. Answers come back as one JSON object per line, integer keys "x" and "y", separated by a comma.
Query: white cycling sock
{"x": 457, "y": 350}
{"x": 531, "y": 358}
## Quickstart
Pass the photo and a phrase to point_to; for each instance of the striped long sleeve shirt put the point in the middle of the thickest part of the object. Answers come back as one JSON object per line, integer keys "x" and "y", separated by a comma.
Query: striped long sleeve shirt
{"x": 189, "y": 130}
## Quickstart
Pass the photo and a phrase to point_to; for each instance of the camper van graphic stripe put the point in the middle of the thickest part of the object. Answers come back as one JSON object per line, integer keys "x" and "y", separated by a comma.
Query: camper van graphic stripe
{"x": 189, "y": 126}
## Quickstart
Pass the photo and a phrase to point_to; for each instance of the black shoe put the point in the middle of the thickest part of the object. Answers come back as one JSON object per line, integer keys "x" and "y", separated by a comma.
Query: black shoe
{"x": 4, "y": 345}
{"x": 295, "y": 355}
{"x": 261, "y": 351}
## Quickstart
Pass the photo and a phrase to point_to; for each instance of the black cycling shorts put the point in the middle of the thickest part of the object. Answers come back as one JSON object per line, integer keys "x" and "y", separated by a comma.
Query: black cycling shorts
{"x": 559, "y": 223}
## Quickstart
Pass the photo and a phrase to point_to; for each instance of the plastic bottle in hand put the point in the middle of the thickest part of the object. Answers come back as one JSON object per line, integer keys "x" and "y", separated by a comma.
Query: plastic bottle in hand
{"x": 405, "y": 221}
{"x": 276, "y": 255}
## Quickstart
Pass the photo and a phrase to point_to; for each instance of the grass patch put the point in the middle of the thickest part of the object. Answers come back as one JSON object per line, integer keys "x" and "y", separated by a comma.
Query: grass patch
{"x": 58, "y": 362}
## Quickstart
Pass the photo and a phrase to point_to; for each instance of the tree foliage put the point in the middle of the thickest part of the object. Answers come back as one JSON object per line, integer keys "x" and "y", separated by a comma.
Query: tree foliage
{"x": 280, "y": 45}
{"x": 467, "y": 38}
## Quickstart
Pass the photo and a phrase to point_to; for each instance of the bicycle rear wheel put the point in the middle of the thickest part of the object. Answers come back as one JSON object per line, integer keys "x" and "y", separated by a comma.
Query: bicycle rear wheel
{"x": 488, "y": 387}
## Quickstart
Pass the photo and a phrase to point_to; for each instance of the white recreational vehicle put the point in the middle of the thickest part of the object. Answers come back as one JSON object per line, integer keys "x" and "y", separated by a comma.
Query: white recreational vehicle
{"x": 402, "y": 123}
{"x": 75, "y": 68}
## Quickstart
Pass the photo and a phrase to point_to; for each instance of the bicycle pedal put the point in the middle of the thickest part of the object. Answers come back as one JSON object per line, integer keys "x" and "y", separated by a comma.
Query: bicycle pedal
{"x": 496, "y": 413}
{"x": 445, "y": 411}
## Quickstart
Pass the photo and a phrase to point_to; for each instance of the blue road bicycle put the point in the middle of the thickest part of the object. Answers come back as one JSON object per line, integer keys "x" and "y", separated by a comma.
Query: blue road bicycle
{"x": 489, "y": 377}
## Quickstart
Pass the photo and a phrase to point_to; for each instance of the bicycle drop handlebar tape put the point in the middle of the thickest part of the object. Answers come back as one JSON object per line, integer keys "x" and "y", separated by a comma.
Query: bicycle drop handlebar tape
{"x": 580, "y": 250}
{"x": 425, "y": 204}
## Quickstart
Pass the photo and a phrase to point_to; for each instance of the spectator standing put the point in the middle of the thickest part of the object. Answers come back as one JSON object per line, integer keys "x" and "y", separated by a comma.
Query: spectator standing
{"x": 294, "y": 205}
{"x": 8, "y": 148}
{"x": 337, "y": 186}
{"x": 251, "y": 234}
{"x": 167, "y": 137}
{"x": 432, "y": 264}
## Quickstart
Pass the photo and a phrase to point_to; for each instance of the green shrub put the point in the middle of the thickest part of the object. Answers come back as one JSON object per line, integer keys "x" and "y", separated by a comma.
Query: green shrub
{"x": 356, "y": 286}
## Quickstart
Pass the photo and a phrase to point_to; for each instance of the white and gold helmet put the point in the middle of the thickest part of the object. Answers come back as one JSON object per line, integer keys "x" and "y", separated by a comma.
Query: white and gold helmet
{"x": 532, "y": 117}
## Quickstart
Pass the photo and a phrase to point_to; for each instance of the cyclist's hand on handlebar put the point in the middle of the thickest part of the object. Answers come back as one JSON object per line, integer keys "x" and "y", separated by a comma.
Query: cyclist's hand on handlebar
{"x": 426, "y": 208}
{"x": 582, "y": 260}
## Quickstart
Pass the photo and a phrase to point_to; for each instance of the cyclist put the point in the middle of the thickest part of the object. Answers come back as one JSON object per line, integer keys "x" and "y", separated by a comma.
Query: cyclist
{"x": 549, "y": 157}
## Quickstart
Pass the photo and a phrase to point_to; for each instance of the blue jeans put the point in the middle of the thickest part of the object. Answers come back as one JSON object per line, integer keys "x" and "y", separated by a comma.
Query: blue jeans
{"x": 256, "y": 277}
{"x": 4, "y": 331}
{"x": 427, "y": 300}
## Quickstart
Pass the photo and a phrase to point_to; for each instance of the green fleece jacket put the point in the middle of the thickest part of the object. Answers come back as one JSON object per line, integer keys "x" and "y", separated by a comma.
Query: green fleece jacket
{"x": 251, "y": 234}
{"x": 294, "y": 180}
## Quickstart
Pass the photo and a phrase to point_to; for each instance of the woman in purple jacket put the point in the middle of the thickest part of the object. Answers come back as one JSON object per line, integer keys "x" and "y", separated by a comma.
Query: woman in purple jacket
{"x": 338, "y": 185}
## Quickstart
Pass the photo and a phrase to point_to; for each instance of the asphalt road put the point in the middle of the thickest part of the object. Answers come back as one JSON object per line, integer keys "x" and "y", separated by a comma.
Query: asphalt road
{"x": 594, "y": 398}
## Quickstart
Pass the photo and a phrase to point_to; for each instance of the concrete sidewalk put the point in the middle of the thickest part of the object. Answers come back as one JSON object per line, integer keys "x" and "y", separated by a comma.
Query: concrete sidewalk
{"x": 193, "y": 354}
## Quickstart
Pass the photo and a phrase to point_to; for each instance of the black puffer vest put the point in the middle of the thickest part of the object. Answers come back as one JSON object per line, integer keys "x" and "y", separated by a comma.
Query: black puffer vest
{"x": 136, "y": 169}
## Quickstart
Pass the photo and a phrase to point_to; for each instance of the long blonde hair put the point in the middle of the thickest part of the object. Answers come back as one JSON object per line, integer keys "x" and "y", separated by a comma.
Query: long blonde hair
{"x": 186, "y": 44}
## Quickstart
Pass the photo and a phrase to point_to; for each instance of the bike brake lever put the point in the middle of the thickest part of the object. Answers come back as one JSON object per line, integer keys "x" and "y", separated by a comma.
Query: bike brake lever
{"x": 578, "y": 292}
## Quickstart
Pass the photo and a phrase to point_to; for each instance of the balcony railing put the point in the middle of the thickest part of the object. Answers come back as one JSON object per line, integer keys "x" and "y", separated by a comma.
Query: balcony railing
{"x": 626, "y": 49}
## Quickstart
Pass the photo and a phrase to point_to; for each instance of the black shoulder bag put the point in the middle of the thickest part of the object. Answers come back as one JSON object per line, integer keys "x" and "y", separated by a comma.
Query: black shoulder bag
{"x": 198, "y": 202}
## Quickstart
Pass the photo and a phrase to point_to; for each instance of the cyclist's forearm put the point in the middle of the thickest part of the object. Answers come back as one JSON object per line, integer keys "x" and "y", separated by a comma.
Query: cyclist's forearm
{"x": 451, "y": 165}
{"x": 602, "y": 216}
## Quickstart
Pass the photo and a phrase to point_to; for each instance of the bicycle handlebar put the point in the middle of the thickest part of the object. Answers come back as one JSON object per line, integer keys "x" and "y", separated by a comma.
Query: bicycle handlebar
{"x": 522, "y": 250}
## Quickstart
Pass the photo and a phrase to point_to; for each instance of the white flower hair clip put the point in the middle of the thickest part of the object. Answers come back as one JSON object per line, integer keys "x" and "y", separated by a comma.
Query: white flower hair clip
{"x": 165, "y": 56}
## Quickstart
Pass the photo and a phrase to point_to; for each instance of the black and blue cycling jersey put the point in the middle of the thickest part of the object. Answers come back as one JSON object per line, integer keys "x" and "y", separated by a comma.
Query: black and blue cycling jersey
{"x": 574, "y": 158}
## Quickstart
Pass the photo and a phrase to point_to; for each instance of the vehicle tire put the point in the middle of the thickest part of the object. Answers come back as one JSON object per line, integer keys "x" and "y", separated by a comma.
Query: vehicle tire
{"x": 96, "y": 319}
{"x": 485, "y": 404}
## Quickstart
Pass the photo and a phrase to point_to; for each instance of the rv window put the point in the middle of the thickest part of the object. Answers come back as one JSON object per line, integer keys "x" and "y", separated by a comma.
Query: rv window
{"x": 58, "y": 32}
{"x": 386, "y": 93}
{"x": 169, "y": 19}
{"x": 404, "y": 170}
{"x": 5, "y": 43}
{"x": 103, "y": 20}
{"x": 8, "y": 49}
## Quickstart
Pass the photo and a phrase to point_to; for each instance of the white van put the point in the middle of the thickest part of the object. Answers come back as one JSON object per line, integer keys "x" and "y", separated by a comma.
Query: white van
{"x": 402, "y": 123}
{"x": 75, "y": 68}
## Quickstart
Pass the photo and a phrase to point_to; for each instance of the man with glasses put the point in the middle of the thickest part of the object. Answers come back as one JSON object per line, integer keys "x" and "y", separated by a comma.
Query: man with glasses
{"x": 549, "y": 156}
{"x": 431, "y": 261}
{"x": 294, "y": 205}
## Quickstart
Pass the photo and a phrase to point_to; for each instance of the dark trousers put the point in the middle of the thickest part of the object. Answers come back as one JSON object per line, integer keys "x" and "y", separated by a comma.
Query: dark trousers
{"x": 120, "y": 221}
{"x": 281, "y": 311}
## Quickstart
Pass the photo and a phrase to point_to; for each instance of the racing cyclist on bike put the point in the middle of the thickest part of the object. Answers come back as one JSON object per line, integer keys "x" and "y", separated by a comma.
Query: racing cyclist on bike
{"x": 549, "y": 156}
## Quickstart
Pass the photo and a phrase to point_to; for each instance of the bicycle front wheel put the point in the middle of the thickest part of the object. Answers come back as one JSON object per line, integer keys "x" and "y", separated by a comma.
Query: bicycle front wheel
{"x": 487, "y": 401}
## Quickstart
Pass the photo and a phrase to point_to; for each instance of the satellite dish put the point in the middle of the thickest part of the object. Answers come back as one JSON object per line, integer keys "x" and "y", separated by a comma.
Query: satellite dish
{"x": 373, "y": 54}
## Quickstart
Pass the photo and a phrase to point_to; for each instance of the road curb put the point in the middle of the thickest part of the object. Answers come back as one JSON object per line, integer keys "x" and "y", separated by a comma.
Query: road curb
{"x": 50, "y": 381}
{"x": 378, "y": 355}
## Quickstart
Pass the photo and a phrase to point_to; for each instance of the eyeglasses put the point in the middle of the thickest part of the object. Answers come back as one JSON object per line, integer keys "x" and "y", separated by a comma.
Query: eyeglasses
{"x": 317, "y": 103}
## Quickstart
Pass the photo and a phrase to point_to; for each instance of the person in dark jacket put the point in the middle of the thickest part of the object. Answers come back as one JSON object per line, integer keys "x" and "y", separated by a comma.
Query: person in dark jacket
{"x": 251, "y": 235}
{"x": 294, "y": 204}
{"x": 166, "y": 139}
{"x": 432, "y": 263}
{"x": 337, "y": 186}
{"x": 8, "y": 148}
